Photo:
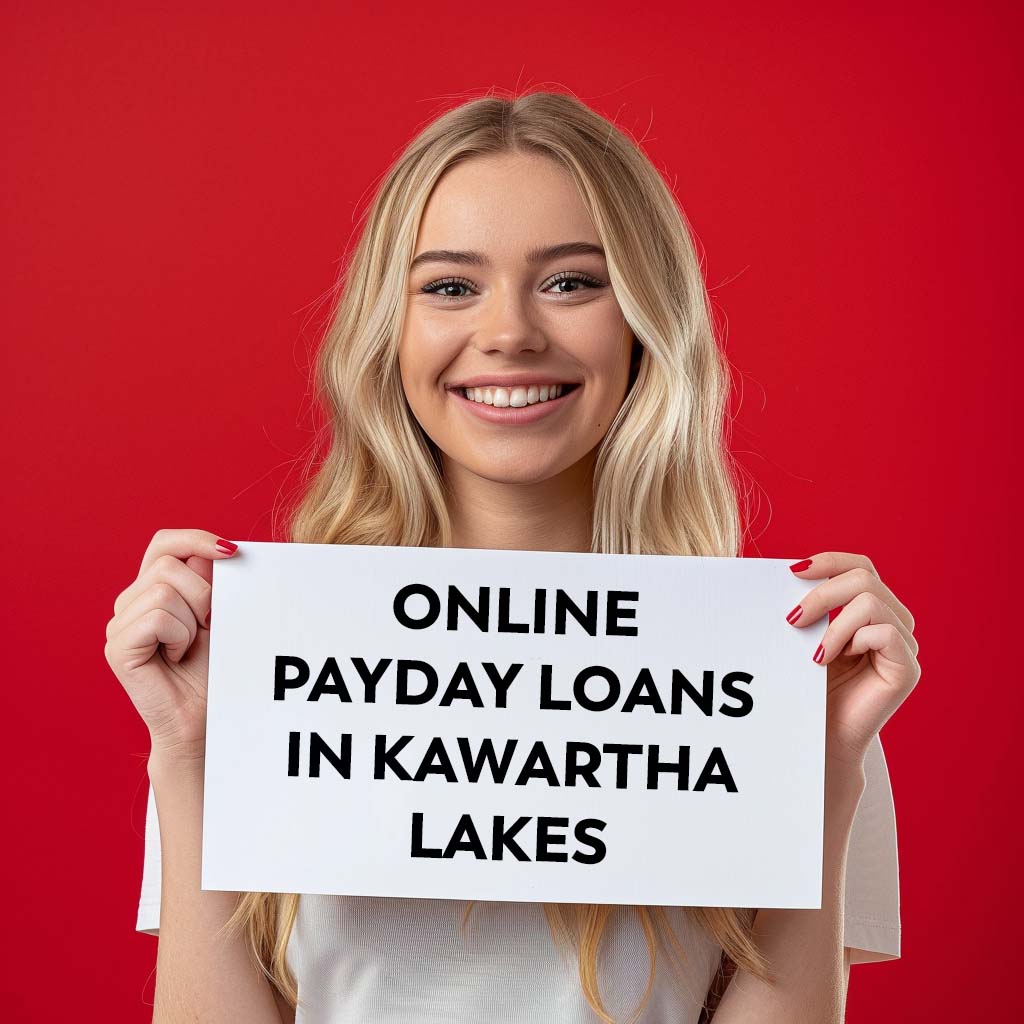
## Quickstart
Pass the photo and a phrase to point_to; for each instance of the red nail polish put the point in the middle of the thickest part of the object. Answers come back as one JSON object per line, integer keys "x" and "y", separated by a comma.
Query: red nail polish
{"x": 819, "y": 653}
{"x": 226, "y": 546}
{"x": 800, "y": 566}
{"x": 795, "y": 614}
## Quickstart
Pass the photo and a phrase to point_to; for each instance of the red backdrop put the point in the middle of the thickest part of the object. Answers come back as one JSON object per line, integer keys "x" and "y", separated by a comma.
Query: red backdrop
{"x": 178, "y": 187}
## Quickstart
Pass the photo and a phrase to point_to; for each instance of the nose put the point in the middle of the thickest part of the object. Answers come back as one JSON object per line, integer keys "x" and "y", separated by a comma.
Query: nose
{"x": 508, "y": 325}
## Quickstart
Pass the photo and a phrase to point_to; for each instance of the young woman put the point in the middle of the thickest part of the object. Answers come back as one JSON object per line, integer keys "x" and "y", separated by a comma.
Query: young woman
{"x": 522, "y": 357}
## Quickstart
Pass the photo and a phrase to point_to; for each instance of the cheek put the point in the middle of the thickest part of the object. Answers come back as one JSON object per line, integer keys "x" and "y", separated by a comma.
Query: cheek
{"x": 425, "y": 352}
{"x": 423, "y": 360}
{"x": 612, "y": 378}
{"x": 611, "y": 372}
{"x": 416, "y": 363}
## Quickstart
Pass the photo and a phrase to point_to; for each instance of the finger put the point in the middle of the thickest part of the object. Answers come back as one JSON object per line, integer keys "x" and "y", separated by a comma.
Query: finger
{"x": 184, "y": 544}
{"x": 168, "y": 569}
{"x": 159, "y": 595}
{"x": 841, "y": 589}
{"x": 887, "y": 640}
{"x": 202, "y": 567}
{"x": 134, "y": 645}
{"x": 830, "y": 563}
{"x": 866, "y": 609}
{"x": 895, "y": 664}
{"x": 866, "y": 701}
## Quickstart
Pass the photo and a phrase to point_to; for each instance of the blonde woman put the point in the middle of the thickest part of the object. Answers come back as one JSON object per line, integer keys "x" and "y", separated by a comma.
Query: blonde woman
{"x": 521, "y": 357}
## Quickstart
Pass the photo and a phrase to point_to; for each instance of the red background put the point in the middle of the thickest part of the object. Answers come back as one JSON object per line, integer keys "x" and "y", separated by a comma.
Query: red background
{"x": 178, "y": 186}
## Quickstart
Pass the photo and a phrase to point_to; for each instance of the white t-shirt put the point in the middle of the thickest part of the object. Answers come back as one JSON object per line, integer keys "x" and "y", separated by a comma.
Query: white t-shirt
{"x": 389, "y": 960}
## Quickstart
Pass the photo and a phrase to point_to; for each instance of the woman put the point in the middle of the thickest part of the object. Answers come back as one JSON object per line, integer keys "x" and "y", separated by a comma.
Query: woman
{"x": 522, "y": 357}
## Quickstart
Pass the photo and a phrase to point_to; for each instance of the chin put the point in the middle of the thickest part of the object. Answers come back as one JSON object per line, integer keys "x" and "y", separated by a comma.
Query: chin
{"x": 516, "y": 471}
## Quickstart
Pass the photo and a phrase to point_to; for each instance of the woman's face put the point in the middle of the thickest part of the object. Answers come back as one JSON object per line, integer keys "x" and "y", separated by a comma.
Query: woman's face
{"x": 514, "y": 356}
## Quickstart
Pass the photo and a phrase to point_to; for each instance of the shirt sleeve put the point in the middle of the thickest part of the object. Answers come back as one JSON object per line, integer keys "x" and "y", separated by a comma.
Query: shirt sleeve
{"x": 872, "y": 912}
{"x": 148, "y": 920}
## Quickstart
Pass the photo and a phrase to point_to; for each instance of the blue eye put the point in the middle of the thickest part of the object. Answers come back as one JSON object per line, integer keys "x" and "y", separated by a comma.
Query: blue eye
{"x": 437, "y": 287}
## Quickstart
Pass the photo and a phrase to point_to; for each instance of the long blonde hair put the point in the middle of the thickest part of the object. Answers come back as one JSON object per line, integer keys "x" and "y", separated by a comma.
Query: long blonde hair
{"x": 664, "y": 480}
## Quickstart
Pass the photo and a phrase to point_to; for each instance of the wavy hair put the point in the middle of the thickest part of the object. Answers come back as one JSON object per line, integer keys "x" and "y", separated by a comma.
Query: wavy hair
{"x": 664, "y": 479}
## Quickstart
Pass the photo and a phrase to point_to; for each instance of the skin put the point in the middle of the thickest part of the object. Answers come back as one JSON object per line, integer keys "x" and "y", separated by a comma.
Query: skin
{"x": 520, "y": 486}
{"x": 525, "y": 485}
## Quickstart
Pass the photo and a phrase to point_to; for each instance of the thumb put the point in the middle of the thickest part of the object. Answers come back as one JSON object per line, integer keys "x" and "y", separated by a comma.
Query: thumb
{"x": 201, "y": 567}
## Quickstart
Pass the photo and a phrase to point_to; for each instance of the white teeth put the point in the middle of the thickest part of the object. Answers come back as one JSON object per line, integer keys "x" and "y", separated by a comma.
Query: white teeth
{"x": 515, "y": 397}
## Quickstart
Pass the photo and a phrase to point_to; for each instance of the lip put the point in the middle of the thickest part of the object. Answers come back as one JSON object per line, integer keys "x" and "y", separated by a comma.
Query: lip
{"x": 509, "y": 416}
{"x": 507, "y": 380}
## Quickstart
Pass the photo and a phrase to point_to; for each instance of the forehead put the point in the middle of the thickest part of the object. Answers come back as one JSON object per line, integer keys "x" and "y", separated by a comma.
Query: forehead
{"x": 504, "y": 205}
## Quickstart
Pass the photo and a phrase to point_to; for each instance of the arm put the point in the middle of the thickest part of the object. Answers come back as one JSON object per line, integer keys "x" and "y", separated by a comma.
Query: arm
{"x": 200, "y": 976}
{"x": 871, "y": 657}
{"x": 158, "y": 645}
{"x": 804, "y": 947}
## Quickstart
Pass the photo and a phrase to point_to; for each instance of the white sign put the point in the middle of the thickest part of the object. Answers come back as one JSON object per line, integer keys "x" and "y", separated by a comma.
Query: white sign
{"x": 513, "y": 725}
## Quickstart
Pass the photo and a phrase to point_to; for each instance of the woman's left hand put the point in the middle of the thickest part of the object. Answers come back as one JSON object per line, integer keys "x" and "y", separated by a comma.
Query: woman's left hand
{"x": 868, "y": 648}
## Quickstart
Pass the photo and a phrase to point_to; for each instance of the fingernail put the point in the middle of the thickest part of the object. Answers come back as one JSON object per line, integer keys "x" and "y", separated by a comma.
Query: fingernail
{"x": 819, "y": 653}
{"x": 795, "y": 614}
{"x": 800, "y": 566}
{"x": 226, "y": 546}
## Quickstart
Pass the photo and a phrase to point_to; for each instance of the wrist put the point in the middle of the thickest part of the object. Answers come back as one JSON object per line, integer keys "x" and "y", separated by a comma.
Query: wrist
{"x": 176, "y": 762}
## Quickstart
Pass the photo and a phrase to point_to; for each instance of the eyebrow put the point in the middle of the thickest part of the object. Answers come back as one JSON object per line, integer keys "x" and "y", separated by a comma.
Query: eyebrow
{"x": 478, "y": 259}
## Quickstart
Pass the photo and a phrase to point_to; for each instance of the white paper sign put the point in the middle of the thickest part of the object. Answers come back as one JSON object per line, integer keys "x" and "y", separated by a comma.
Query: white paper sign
{"x": 513, "y": 725}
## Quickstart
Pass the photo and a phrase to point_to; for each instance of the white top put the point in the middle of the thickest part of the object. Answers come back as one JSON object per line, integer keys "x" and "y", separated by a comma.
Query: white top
{"x": 385, "y": 960}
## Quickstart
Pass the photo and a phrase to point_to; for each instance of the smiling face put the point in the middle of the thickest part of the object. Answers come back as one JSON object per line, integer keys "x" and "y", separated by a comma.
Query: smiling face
{"x": 515, "y": 354}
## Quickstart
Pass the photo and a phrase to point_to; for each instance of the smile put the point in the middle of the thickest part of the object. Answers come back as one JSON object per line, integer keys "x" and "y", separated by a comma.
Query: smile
{"x": 514, "y": 404}
{"x": 516, "y": 397}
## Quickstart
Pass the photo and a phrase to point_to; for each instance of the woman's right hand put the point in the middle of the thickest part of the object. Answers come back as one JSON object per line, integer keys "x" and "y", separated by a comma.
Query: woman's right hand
{"x": 158, "y": 641}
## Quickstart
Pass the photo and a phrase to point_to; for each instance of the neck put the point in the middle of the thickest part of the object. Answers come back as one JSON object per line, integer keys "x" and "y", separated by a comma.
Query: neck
{"x": 550, "y": 515}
